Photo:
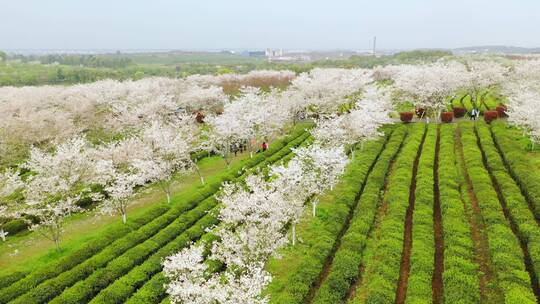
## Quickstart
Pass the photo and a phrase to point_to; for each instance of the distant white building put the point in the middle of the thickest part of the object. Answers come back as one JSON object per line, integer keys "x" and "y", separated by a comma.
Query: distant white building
{"x": 274, "y": 53}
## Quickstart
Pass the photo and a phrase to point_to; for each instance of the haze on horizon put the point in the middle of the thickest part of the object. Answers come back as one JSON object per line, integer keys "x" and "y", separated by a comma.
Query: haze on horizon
{"x": 243, "y": 24}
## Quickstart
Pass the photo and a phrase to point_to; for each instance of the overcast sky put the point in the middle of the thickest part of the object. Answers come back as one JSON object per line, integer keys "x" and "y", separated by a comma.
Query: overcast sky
{"x": 254, "y": 24}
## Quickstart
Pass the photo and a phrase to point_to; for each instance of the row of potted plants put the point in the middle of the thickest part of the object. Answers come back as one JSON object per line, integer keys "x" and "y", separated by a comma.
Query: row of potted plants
{"x": 456, "y": 112}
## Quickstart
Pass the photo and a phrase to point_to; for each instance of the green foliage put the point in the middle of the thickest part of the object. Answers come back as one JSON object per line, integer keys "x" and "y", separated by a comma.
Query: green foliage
{"x": 519, "y": 212}
{"x": 521, "y": 165}
{"x": 421, "y": 56}
{"x": 142, "y": 235}
{"x": 460, "y": 277}
{"x": 505, "y": 252}
{"x": 21, "y": 74}
{"x": 300, "y": 265}
{"x": 70, "y": 69}
{"x": 173, "y": 237}
{"x": 6, "y": 280}
{"x": 350, "y": 255}
{"x": 485, "y": 101}
{"x": 33, "y": 279}
{"x": 423, "y": 251}
{"x": 383, "y": 258}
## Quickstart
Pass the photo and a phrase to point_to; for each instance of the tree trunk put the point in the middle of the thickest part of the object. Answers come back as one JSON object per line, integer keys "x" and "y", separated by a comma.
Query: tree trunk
{"x": 314, "y": 205}
{"x": 124, "y": 218}
{"x": 3, "y": 234}
{"x": 57, "y": 242}
{"x": 294, "y": 234}
{"x": 199, "y": 173}
{"x": 227, "y": 161}
{"x": 168, "y": 197}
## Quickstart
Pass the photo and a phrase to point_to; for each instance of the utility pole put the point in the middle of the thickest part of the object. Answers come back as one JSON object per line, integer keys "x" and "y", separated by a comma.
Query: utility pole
{"x": 374, "y": 45}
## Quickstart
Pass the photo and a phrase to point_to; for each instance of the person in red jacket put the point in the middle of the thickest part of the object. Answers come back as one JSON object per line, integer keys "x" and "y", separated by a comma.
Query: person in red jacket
{"x": 264, "y": 146}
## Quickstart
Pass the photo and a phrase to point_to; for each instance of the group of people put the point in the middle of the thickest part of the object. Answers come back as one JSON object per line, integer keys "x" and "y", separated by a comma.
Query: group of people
{"x": 241, "y": 147}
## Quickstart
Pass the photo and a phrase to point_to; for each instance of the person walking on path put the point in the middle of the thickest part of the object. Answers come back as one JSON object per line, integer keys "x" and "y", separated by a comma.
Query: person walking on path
{"x": 474, "y": 114}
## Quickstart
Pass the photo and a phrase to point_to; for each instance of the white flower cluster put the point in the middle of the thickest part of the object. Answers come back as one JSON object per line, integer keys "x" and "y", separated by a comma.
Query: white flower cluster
{"x": 254, "y": 221}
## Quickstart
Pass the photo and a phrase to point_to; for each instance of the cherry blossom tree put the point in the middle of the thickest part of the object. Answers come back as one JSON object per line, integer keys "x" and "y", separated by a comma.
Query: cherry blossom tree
{"x": 254, "y": 216}
{"x": 250, "y": 233}
{"x": 224, "y": 133}
{"x": 362, "y": 123}
{"x": 524, "y": 109}
{"x": 57, "y": 182}
{"x": 330, "y": 131}
{"x": 266, "y": 116}
{"x": 526, "y": 70}
{"x": 482, "y": 75}
{"x": 370, "y": 113}
{"x": 117, "y": 173}
{"x": 323, "y": 91}
{"x": 120, "y": 188}
{"x": 428, "y": 86}
{"x": 309, "y": 173}
{"x": 169, "y": 155}
{"x": 190, "y": 283}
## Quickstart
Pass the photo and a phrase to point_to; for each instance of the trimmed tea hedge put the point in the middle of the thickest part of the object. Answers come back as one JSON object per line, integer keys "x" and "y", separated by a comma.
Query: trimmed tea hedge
{"x": 84, "y": 290}
{"x": 346, "y": 263}
{"x": 384, "y": 259}
{"x": 152, "y": 289}
{"x": 155, "y": 219}
{"x": 120, "y": 290}
{"x": 119, "y": 236}
{"x": 104, "y": 276}
{"x": 511, "y": 145}
{"x": 460, "y": 276}
{"x": 518, "y": 210}
{"x": 304, "y": 262}
{"x": 506, "y": 256}
{"x": 423, "y": 250}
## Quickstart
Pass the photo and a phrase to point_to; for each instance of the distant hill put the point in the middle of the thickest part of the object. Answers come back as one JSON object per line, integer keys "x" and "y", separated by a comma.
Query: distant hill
{"x": 497, "y": 49}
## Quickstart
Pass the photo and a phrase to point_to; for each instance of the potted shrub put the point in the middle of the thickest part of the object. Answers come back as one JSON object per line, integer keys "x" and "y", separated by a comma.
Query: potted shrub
{"x": 406, "y": 116}
{"x": 501, "y": 110}
{"x": 447, "y": 116}
{"x": 490, "y": 116}
{"x": 459, "y": 112}
{"x": 199, "y": 117}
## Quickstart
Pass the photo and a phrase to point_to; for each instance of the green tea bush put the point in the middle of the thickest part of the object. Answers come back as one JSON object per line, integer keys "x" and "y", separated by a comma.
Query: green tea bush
{"x": 511, "y": 145}
{"x": 349, "y": 257}
{"x": 518, "y": 210}
{"x": 305, "y": 261}
{"x": 383, "y": 260}
{"x": 506, "y": 256}
{"x": 152, "y": 221}
{"x": 422, "y": 252}
{"x": 460, "y": 276}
